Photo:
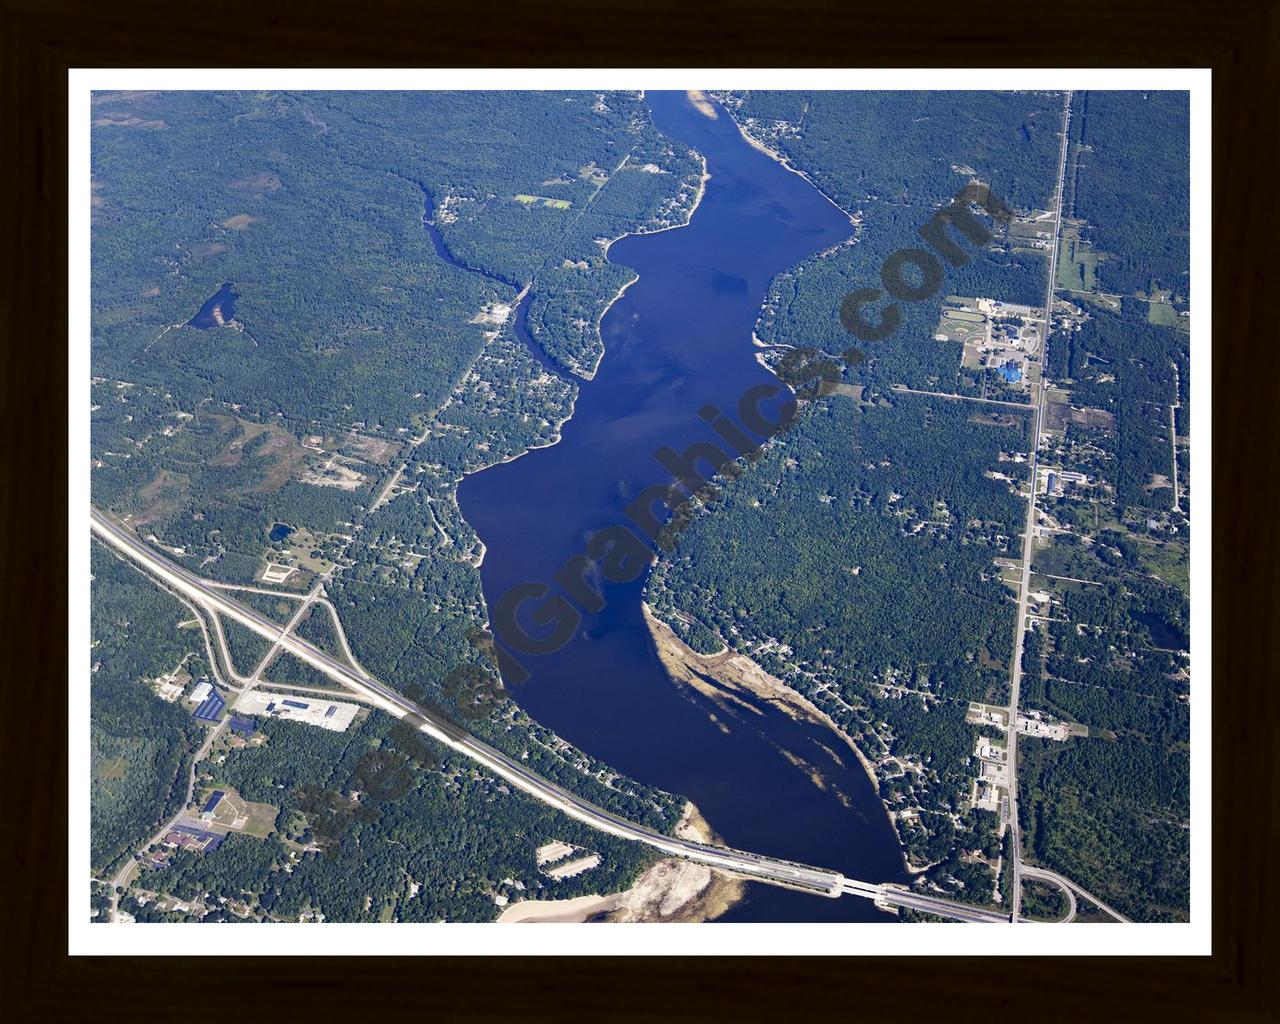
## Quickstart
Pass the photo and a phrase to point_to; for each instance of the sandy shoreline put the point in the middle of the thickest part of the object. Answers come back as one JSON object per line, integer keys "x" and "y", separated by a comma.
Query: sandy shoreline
{"x": 773, "y": 154}
{"x": 737, "y": 673}
{"x": 672, "y": 890}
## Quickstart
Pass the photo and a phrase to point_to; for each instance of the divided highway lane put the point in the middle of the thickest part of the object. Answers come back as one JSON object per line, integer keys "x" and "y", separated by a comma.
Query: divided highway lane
{"x": 892, "y": 896}
{"x": 763, "y": 869}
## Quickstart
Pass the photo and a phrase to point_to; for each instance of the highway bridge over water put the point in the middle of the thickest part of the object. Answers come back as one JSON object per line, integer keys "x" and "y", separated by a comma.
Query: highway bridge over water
{"x": 755, "y": 867}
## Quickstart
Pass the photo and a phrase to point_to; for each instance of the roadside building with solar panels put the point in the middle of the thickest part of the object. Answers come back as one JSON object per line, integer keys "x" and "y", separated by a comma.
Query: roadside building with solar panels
{"x": 211, "y": 804}
{"x": 211, "y": 710}
{"x": 333, "y": 715}
{"x": 244, "y": 726}
{"x": 189, "y": 837}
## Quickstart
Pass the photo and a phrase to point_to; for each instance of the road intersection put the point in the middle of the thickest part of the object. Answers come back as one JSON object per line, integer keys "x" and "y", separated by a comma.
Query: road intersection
{"x": 217, "y": 603}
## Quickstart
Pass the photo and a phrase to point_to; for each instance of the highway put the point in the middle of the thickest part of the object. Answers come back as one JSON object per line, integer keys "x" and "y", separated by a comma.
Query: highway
{"x": 1028, "y": 536}
{"x": 217, "y": 602}
{"x": 893, "y": 896}
{"x": 749, "y": 865}
{"x": 1072, "y": 890}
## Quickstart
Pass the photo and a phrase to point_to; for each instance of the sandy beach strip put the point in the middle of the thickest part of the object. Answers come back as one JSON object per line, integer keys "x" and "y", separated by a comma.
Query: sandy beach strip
{"x": 672, "y": 890}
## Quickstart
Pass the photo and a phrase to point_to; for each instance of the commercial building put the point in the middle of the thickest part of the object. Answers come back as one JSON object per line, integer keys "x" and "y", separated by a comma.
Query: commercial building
{"x": 211, "y": 709}
{"x": 200, "y": 692}
{"x": 333, "y": 715}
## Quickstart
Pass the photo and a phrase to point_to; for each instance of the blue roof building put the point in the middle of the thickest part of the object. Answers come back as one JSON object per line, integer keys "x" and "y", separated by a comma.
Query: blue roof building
{"x": 209, "y": 841}
{"x": 1010, "y": 372}
{"x": 211, "y": 710}
{"x": 242, "y": 725}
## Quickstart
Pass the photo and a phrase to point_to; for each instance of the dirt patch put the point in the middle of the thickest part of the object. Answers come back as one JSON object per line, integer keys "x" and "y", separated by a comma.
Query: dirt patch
{"x": 239, "y": 222}
{"x": 123, "y": 96}
{"x": 377, "y": 450}
{"x": 996, "y": 419}
{"x": 207, "y": 248}
{"x": 283, "y": 457}
{"x": 1057, "y": 407}
{"x": 162, "y": 496}
{"x": 243, "y": 431}
{"x": 259, "y": 184}
{"x": 127, "y": 121}
{"x": 672, "y": 890}
{"x": 1097, "y": 419}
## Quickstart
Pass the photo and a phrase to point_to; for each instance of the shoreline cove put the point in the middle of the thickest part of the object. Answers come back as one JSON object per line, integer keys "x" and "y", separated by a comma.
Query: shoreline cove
{"x": 697, "y": 201}
{"x": 734, "y": 671}
{"x": 773, "y": 154}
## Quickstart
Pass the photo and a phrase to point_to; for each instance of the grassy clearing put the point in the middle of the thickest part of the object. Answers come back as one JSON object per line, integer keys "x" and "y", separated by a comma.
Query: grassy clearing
{"x": 1077, "y": 263}
{"x": 1162, "y": 313}
{"x": 555, "y": 204}
{"x": 1170, "y": 561}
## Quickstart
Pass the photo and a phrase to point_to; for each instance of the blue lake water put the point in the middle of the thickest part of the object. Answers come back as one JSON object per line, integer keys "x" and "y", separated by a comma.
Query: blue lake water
{"x": 221, "y": 303}
{"x": 680, "y": 338}
{"x": 279, "y": 531}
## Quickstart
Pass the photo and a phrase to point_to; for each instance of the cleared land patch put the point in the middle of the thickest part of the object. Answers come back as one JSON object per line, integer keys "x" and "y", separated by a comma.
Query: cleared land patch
{"x": 555, "y": 204}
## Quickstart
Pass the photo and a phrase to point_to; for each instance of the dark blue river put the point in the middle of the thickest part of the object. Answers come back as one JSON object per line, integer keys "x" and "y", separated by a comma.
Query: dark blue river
{"x": 680, "y": 338}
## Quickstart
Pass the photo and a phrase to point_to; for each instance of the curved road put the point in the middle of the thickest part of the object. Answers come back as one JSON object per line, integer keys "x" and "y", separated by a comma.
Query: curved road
{"x": 215, "y": 602}
{"x": 1072, "y": 890}
{"x": 826, "y": 883}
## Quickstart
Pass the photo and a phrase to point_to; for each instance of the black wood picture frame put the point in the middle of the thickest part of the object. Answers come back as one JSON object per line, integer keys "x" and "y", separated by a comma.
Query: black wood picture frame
{"x": 42, "y": 39}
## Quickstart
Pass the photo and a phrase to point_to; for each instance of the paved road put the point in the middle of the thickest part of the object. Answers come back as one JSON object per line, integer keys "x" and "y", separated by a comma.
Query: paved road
{"x": 1072, "y": 890}
{"x": 1028, "y": 536}
{"x": 816, "y": 880}
{"x": 749, "y": 865}
{"x": 892, "y": 896}
{"x": 122, "y": 877}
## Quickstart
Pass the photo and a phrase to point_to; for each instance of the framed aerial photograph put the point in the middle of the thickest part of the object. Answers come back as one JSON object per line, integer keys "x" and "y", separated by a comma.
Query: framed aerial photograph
{"x": 607, "y": 503}
{"x": 690, "y": 513}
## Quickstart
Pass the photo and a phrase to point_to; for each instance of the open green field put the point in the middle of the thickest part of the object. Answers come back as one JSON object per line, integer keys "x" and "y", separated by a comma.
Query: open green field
{"x": 240, "y": 815}
{"x": 1168, "y": 560}
{"x": 1162, "y": 313}
{"x": 1077, "y": 263}
{"x": 555, "y": 204}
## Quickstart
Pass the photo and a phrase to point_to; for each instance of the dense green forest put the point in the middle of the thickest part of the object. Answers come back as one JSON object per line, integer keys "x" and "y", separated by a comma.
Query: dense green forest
{"x": 140, "y": 746}
{"x": 355, "y": 340}
{"x": 911, "y": 148}
{"x": 317, "y": 627}
{"x": 278, "y": 609}
{"x": 247, "y": 647}
{"x": 1131, "y": 184}
{"x": 1126, "y": 365}
{"x": 890, "y": 160}
{"x": 376, "y": 825}
{"x": 854, "y": 561}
